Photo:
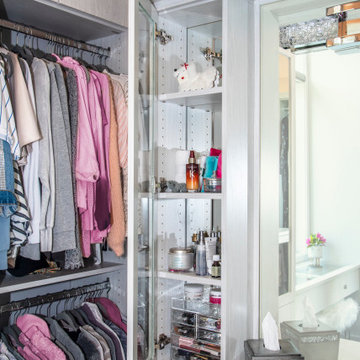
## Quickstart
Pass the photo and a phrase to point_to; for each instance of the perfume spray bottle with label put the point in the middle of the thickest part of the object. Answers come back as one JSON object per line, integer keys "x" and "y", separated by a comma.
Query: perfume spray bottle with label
{"x": 192, "y": 174}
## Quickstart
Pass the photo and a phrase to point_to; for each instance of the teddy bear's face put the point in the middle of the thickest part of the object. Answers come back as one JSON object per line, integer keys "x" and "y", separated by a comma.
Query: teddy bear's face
{"x": 182, "y": 74}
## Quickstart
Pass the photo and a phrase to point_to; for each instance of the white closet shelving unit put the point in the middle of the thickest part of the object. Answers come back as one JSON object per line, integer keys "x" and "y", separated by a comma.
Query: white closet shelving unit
{"x": 70, "y": 21}
{"x": 197, "y": 120}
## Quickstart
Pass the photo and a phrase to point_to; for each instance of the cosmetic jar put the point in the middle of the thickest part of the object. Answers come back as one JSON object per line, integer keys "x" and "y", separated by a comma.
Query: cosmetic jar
{"x": 212, "y": 184}
{"x": 193, "y": 291}
{"x": 215, "y": 296}
{"x": 181, "y": 259}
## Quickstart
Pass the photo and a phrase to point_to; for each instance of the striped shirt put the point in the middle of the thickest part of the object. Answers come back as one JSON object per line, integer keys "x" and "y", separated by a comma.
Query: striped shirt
{"x": 8, "y": 131}
{"x": 20, "y": 227}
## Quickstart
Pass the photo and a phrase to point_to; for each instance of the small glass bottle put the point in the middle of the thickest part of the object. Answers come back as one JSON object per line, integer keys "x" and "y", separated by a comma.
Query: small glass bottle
{"x": 192, "y": 174}
{"x": 216, "y": 267}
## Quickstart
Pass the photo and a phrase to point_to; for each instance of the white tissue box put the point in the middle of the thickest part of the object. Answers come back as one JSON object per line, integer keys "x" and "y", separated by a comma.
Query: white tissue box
{"x": 255, "y": 349}
{"x": 321, "y": 343}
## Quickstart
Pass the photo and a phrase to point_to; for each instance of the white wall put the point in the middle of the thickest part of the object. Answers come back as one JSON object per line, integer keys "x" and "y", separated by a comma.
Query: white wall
{"x": 334, "y": 124}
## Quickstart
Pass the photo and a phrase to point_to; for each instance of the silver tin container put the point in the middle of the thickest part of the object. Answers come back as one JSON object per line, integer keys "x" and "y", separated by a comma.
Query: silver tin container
{"x": 212, "y": 184}
{"x": 181, "y": 259}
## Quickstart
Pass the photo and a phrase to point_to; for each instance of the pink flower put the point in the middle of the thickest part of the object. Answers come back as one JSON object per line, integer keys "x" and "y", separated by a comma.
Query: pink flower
{"x": 308, "y": 241}
{"x": 318, "y": 235}
{"x": 323, "y": 240}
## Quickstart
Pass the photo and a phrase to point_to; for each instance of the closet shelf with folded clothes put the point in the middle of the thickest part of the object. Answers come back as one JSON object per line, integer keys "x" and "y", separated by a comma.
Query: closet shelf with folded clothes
{"x": 10, "y": 283}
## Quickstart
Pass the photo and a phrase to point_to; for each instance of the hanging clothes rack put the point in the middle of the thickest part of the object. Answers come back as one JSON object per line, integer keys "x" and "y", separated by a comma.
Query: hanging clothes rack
{"x": 49, "y": 298}
{"x": 54, "y": 38}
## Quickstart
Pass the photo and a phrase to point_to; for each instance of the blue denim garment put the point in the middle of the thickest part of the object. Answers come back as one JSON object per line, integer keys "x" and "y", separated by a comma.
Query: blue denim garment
{"x": 8, "y": 201}
{"x": 4, "y": 241}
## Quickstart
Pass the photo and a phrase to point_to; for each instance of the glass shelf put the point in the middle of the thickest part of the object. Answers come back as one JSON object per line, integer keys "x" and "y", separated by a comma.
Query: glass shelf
{"x": 199, "y": 307}
{"x": 189, "y": 277}
{"x": 209, "y": 99}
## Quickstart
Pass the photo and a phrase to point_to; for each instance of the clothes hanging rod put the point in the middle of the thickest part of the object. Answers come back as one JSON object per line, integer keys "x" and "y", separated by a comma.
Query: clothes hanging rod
{"x": 49, "y": 298}
{"x": 54, "y": 37}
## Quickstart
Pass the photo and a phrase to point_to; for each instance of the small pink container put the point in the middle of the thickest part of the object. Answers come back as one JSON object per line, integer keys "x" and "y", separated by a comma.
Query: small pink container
{"x": 215, "y": 296}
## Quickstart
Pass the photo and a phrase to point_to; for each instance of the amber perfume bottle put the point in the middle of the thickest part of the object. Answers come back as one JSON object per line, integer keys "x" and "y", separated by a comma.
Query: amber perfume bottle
{"x": 192, "y": 174}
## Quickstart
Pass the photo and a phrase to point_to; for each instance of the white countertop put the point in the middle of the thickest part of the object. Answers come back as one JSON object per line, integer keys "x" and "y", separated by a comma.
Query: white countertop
{"x": 308, "y": 276}
{"x": 349, "y": 350}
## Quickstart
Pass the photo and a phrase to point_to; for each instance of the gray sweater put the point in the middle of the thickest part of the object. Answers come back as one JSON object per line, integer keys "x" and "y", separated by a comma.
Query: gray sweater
{"x": 64, "y": 225}
{"x": 73, "y": 258}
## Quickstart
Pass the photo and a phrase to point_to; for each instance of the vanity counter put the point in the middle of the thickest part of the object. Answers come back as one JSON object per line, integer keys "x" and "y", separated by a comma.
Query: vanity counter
{"x": 324, "y": 286}
{"x": 308, "y": 276}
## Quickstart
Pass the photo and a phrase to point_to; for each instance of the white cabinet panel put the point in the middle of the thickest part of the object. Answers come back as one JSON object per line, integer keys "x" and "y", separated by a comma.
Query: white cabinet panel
{"x": 111, "y": 10}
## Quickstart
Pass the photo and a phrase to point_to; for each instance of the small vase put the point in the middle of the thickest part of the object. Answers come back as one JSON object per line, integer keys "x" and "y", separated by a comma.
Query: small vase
{"x": 315, "y": 252}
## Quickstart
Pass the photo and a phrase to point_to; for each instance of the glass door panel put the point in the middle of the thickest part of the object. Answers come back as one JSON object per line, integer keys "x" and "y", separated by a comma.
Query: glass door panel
{"x": 140, "y": 224}
{"x": 145, "y": 176}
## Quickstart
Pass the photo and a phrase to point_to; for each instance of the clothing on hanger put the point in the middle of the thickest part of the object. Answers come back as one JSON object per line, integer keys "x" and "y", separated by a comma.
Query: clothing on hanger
{"x": 26, "y": 122}
{"x": 117, "y": 232}
{"x": 20, "y": 228}
{"x": 7, "y": 125}
{"x": 31, "y": 170}
{"x": 36, "y": 338}
{"x": 80, "y": 334}
{"x": 73, "y": 257}
{"x": 8, "y": 200}
{"x": 69, "y": 143}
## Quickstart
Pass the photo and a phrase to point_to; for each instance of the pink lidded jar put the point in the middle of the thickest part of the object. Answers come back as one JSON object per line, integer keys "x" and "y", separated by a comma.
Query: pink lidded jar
{"x": 215, "y": 296}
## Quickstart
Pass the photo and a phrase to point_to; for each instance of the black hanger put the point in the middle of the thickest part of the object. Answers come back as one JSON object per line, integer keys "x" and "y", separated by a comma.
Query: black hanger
{"x": 45, "y": 55}
{"x": 17, "y": 49}
{"x": 2, "y": 44}
{"x": 28, "y": 54}
{"x": 9, "y": 67}
{"x": 37, "y": 52}
{"x": 102, "y": 66}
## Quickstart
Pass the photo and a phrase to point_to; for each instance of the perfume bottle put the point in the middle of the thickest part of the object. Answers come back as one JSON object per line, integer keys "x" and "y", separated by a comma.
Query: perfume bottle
{"x": 201, "y": 267}
{"x": 192, "y": 174}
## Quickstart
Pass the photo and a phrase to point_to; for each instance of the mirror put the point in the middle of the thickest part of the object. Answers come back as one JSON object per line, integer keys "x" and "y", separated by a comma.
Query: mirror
{"x": 319, "y": 154}
{"x": 309, "y": 197}
{"x": 284, "y": 173}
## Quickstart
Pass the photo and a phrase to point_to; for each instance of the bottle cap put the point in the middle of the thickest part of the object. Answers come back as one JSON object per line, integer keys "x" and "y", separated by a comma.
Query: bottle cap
{"x": 194, "y": 238}
{"x": 192, "y": 157}
{"x": 216, "y": 257}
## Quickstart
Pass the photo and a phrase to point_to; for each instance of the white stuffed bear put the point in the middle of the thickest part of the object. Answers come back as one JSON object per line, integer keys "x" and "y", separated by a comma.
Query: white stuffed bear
{"x": 189, "y": 79}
